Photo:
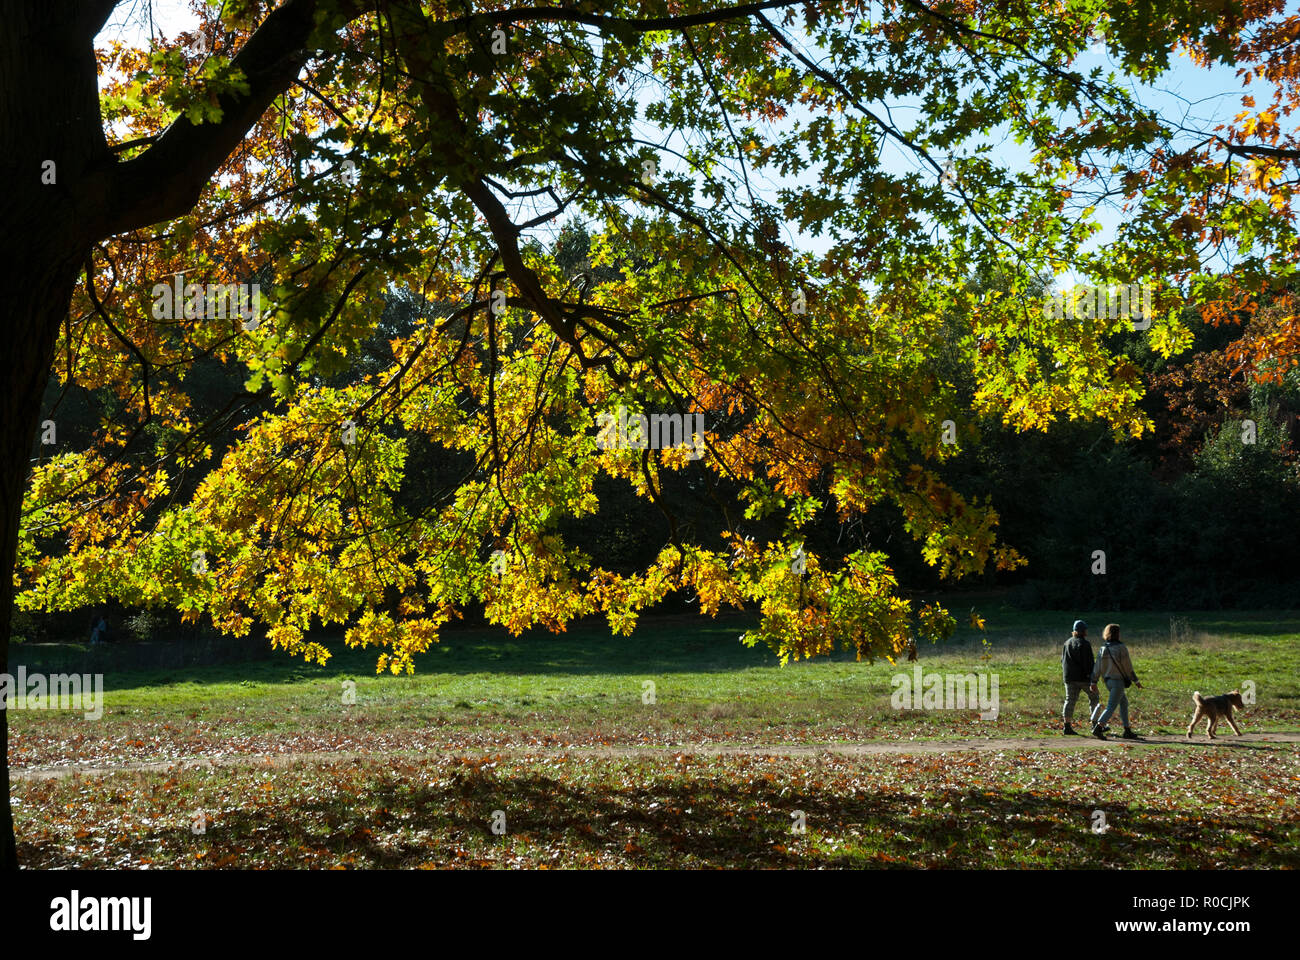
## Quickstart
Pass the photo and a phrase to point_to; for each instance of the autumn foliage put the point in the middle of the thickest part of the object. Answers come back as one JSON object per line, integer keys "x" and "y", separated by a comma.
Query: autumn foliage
{"x": 429, "y": 150}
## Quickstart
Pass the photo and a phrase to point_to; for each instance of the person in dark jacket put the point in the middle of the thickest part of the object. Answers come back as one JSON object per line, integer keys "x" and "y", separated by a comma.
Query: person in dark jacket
{"x": 1076, "y": 668}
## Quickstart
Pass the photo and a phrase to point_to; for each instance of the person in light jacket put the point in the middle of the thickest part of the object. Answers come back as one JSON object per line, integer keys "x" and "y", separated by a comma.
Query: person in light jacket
{"x": 1076, "y": 669}
{"x": 1116, "y": 669}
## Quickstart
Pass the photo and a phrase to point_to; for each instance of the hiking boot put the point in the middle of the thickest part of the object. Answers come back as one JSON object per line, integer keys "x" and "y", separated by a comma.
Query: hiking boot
{"x": 1098, "y": 733}
{"x": 1069, "y": 731}
{"x": 1130, "y": 735}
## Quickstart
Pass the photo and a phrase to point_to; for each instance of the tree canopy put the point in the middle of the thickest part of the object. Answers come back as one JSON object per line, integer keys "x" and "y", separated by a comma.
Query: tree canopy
{"x": 769, "y": 245}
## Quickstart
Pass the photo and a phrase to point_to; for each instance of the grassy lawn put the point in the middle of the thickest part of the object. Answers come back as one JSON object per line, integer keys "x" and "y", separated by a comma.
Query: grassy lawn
{"x": 497, "y": 723}
{"x": 485, "y": 689}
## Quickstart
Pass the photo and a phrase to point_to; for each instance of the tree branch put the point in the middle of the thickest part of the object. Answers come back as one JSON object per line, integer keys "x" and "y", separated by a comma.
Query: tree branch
{"x": 167, "y": 180}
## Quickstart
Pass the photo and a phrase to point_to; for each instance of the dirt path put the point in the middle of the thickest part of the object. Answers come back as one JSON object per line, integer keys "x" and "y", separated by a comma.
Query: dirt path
{"x": 876, "y": 747}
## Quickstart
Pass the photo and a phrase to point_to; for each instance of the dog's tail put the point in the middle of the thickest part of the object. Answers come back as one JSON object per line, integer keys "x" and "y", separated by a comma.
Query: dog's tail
{"x": 1197, "y": 696}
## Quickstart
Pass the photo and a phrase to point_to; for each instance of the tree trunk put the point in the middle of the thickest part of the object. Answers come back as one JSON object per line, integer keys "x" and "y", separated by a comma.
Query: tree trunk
{"x": 18, "y": 421}
{"x": 49, "y": 114}
{"x": 31, "y": 337}
{"x": 62, "y": 191}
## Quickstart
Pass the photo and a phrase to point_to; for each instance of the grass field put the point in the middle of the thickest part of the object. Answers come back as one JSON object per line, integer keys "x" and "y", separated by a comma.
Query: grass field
{"x": 732, "y": 757}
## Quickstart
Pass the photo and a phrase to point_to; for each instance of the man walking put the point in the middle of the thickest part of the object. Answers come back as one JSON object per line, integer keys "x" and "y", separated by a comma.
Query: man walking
{"x": 1076, "y": 668}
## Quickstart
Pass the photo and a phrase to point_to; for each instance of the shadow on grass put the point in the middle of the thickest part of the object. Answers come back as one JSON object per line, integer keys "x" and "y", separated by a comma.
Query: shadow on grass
{"x": 664, "y": 646}
{"x": 1016, "y": 628}
{"x": 1245, "y": 742}
{"x": 697, "y": 821}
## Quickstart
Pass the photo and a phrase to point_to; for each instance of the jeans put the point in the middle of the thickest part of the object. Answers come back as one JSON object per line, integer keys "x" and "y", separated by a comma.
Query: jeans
{"x": 1118, "y": 698}
{"x": 1072, "y": 690}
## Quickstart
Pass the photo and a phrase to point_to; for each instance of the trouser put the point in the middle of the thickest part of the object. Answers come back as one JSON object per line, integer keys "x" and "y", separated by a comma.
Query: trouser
{"x": 1118, "y": 698}
{"x": 1072, "y": 690}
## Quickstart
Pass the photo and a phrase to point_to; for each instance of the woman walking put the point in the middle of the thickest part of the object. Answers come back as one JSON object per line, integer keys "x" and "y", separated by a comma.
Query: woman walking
{"x": 1116, "y": 669}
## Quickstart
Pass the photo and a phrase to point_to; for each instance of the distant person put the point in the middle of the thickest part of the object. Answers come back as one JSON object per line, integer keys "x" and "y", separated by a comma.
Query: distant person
{"x": 1116, "y": 669}
{"x": 98, "y": 629}
{"x": 1076, "y": 669}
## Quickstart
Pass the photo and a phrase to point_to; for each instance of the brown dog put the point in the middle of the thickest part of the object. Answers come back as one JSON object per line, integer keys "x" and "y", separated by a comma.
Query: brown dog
{"x": 1213, "y": 709}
